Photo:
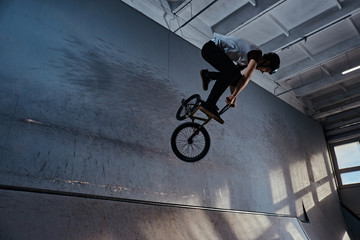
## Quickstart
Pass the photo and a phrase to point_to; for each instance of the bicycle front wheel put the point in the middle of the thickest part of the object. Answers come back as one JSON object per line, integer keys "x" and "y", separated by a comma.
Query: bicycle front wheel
{"x": 187, "y": 146}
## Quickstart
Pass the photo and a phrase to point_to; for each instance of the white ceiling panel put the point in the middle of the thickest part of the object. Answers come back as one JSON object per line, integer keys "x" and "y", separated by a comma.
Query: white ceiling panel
{"x": 291, "y": 56}
{"x": 295, "y": 12}
{"x": 220, "y": 10}
{"x": 331, "y": 36}
{"x": 264, "y": 31}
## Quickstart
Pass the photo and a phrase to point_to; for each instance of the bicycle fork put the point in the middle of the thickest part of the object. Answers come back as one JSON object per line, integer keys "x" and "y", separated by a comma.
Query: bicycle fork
{"x": 196, "y": 132}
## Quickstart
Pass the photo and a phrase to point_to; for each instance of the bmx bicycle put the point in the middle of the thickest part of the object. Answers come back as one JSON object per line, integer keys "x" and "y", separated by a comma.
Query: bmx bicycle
{"x": 190, "y": 141}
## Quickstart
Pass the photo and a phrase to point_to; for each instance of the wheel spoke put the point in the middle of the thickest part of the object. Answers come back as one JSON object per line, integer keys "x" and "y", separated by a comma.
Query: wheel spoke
{"x": 193, "y": 149}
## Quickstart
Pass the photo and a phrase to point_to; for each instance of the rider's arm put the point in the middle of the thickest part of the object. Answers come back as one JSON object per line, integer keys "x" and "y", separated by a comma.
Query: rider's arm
{"x": 246, "y": 78}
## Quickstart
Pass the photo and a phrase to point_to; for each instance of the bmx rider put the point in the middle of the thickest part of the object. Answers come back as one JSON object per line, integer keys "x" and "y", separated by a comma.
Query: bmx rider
{"x": 221, "y": 52}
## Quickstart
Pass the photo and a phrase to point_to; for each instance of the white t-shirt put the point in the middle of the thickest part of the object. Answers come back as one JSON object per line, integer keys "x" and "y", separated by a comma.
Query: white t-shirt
{"x": 236, "y": 49}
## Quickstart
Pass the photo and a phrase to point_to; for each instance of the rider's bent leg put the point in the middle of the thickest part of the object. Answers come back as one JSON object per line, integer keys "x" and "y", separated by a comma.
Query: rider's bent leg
{"x": 227, "y": 74}
{"x": 221, "y": 85}
{"x": 221, "y": 62}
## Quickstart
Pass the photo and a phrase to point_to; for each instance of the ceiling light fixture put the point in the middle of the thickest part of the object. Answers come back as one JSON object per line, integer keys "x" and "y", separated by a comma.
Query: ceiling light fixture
{"x": 351, "y": 70}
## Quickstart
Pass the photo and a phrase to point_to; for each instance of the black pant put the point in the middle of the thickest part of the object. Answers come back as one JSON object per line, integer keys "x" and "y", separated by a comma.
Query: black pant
{"x": 228, "y": 73}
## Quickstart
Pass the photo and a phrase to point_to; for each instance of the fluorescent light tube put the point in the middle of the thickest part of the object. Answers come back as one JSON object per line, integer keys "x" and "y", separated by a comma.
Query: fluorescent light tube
{"x": 351, "y": 70}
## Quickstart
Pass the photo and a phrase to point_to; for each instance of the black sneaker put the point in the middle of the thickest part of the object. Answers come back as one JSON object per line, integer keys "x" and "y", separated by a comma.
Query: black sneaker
{"x": 210, "y": 111}
{"x": 205, "y": 79}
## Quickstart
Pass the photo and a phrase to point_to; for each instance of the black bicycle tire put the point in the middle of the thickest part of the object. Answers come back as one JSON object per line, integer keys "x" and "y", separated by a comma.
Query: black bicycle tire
{"x": 179, "y": 115}
{"x": 202, "y": 131}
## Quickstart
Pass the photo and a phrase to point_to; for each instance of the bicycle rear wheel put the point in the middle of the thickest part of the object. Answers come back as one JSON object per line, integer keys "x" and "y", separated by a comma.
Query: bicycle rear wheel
{"x": 190, "y": 149}
{"x": 188, "y": 106}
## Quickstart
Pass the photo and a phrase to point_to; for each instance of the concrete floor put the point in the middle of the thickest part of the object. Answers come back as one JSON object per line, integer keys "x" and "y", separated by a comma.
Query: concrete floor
{"x": 88, "y": 106}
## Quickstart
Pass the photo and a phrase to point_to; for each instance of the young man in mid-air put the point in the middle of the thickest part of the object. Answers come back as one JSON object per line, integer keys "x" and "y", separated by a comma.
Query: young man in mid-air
{"x": 221, "y": 52}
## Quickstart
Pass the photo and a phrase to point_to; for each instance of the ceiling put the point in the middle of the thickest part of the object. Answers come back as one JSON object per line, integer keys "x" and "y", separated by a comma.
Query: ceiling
{"x": 316, "y": 42}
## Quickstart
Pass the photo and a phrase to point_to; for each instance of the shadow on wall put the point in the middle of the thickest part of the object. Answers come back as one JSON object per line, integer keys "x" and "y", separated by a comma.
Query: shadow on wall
{"x": 120, "y": 92}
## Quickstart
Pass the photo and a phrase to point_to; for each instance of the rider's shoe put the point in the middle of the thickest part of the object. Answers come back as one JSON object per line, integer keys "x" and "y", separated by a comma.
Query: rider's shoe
{"x": 205, "y": 77}
{"x": 211, "y": 111}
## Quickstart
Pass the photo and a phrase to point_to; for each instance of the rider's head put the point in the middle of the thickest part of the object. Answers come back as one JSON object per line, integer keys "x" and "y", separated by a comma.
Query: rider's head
{"x": 271, "y": 62}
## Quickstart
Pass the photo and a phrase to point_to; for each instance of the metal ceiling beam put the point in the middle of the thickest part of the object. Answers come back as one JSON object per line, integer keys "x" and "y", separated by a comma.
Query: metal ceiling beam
{"x": 309, "y": 104}
{"x": 339, "y": 104}
{"x": 326, "y": 101}
{"x": 336, "y": 110}
{"x": 252, "y": 2}
{"x": 355, "y": 26}
{"x": 242, "y": 15}
{"x": 343, "y": 137}
{"x": 341, "y": 85}
{"x": 317, "y": 60}
{"x": 343, "y": 116}
{"x": 338, "y": 4}
{"x": 324, "y": 83}
{"x": 340, "y": 124}
{"x": 318, "y": 22}
{"x": 279, "y": 25}
{"x": 305, "y": 50}
{"x": 325, "y": 69}
{"x": 349, "y": 131}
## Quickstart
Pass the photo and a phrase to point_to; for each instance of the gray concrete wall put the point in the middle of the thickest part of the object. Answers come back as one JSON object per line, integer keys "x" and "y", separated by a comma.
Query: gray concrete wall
{"x": 349, "y": 197}
{"x": 89, "y": 92}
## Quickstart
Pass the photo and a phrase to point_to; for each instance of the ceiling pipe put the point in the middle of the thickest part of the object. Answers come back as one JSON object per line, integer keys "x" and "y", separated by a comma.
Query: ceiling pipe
{"x": 192, "y": 18}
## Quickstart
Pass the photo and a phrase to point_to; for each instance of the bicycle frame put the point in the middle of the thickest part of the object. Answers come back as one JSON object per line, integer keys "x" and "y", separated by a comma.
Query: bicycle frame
{"x": 206, "y": 120}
